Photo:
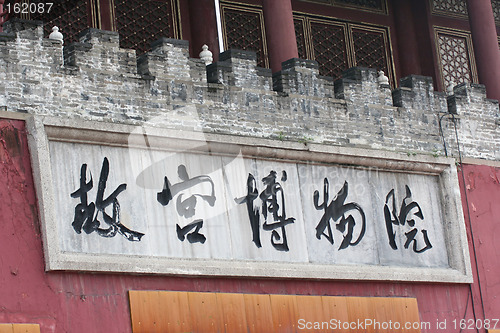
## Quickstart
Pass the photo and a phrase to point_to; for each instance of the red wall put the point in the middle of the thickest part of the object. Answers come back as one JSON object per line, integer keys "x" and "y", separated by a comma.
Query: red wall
{"x": 73, "y": 302}
{"x": 483, "y": 222}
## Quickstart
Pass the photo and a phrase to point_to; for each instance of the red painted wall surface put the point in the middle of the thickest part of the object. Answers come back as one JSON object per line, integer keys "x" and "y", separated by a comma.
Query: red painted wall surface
{"x": 88, "y": 303}
{"x": 481, "y": 202}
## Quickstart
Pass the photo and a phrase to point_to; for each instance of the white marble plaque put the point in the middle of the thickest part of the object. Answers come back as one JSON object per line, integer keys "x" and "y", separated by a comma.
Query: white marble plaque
{"x": 116, "y": 199}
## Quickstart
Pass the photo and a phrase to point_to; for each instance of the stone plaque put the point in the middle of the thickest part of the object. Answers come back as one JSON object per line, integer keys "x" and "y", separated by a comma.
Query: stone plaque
{"x": 144, "y": 200}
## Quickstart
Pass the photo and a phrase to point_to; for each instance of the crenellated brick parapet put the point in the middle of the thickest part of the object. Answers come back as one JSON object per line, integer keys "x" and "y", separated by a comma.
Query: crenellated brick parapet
{"x": 238, "y": 68}
{"x": 96, "y": 79}
{"x": 301, "y": 77}
{"x": 360, "y": 85}
{"x": 417, "y": 92}
{"x": 477, "y": 119}
{"x": 169, "y": 58}
{"x": 99, "y": 52}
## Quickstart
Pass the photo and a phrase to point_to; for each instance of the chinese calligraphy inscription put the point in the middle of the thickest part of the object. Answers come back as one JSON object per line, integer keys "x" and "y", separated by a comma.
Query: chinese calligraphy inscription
{"x": 272, "y": 209}
{"x": 87, "y": 215}
{"x": 406, "y": 212}
{"x": 336, "y": 210}
{"x": 186, "y": 207}
{"x": 116, "y": 208}
{"x": 280, "y": 211}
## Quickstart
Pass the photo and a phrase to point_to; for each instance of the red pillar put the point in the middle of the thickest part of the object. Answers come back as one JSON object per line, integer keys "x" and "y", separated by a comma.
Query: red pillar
{"x": 203, "y": 24}
{"x": 280, "y": 32}
{"x": 409, "y": 59}
{"x": 484, "y": 39}
{"x": 1, "y": 14}
{"x": 107, "y": 19}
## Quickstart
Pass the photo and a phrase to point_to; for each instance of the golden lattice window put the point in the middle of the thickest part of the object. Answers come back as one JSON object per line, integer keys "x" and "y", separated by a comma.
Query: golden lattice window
{"x": 458, "y": 8}
{"x": 456, "y": 57}
{"x": 243, "y": 28}
{"x": 300, "y": 34}
{"x": 329, "y": 47}
{"x": 335, "y": 44}
{"x": 338, "y": 45}
{"x": 377, "y": 6}
{"x": 70, "y": 16}
{"x": 449, "y": 7}
{"x": 141, "y": 22}
{"x": 370, "y": 49}
{"x": 369, "y": 4}
{"x": 495, "y": 4}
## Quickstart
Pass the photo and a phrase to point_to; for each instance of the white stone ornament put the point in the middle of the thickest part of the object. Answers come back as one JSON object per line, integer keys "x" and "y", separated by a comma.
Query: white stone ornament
{"x": 56, "y": 35}
{"x": 382, "y": 79}
{"x": 206, "y": 55}
{"x": 449, "y": 89}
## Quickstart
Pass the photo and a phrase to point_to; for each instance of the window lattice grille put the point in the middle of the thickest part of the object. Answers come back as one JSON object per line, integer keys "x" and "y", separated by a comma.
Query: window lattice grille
{"x": 329, "y": 47}
{"x": 370, "y": 4}
{"x": 455, "y": 63}
{"x": 301, "y": 38}
{"x": 458, "y": 8}
{"x": 370, "y": 49}
{"x": 450, "y": 6}
{"x": 70, "y": 16}
{"x": 378, "y": 6}
{"x": 141, "y": 22}
{"x": 334, "y": 44}
{"x": 495, "y": 4}
{"x": 337, "y": 45}
{"x": 244, "y": 31}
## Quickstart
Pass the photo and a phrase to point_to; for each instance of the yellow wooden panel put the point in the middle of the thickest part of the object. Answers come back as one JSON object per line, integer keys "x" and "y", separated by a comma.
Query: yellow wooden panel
{"x": 160, "y": 311}
{"x": 382, "y": 314}
{"x": 205, "y": 312}
{"x": 285, "y": 314}
{"x": 310, "y": 309}
{"x": 387, "y": 309}
{"x": 26, "y": 328}
{"x": 136, "y": 315}
{"x": 232, "y": 307}
{"x": 19, "y": 328}
{"x": 405, "y": 310}
{"x": 149, "y": 305}
{"x": 143, "y": 311}
{"x": 6, "y": 328}
{"x": 157, "y": 311}
{"x": 175, "y": 307}
{"x": 258, "y": 312}
{"x": 358, "y": 309}
{"x": 335, "y": 309}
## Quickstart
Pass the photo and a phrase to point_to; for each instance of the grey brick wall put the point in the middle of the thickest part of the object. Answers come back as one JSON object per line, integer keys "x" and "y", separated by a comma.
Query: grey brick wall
{"x": 96, "y": 80}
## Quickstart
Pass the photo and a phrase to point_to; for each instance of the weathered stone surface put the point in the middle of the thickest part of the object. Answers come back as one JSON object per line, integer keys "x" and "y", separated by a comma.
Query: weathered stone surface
{"x": 478, "y": 121}
{"x": 99, "y": 81}
{"x": 263, "y": 210}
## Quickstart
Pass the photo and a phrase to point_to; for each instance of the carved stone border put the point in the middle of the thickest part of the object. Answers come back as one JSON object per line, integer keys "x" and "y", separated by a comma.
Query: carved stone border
{"x": 44, "y": 129}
